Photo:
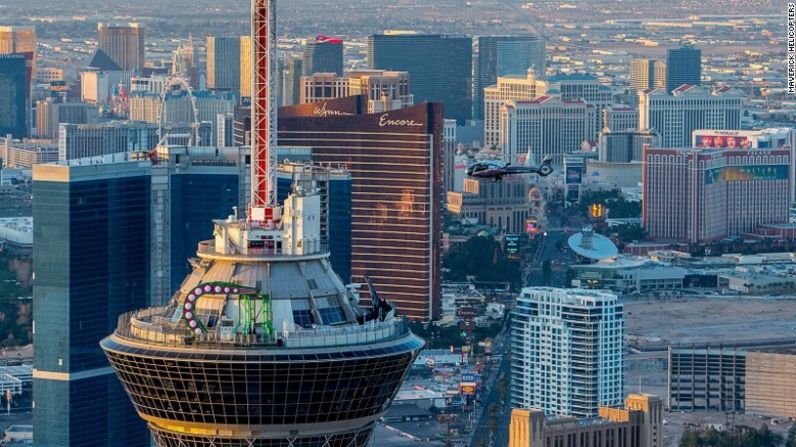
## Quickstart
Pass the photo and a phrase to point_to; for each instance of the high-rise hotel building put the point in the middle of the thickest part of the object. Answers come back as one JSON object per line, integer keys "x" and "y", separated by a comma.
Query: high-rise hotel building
{"x": 395, "y": 161}
{"x": 385, "y": 90}
{"x": 683, "y": 66}
{"x": 14, "y": 96}
{"x": 702, "y": 195}
{"x": 124, "y": 44}
{"x": 547, "y": 125}
{"x": 525, "y": 87}
{"x": 567, "y": 351}
{"x": 586, "y": 88}
{"x": 646, "y": 74}
{"x": 674, "y": 117}
{"x": 18, "y": 40}
{"x": 224, "y": 57}
{"x": 91, "y": 259}
{"x": 324, "y": 55}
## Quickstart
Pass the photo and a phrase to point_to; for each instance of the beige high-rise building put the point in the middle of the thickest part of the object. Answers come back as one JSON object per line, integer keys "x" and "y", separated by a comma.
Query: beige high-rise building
{"x": 614, "y": 427}
{"x": 18, "y": 39}
{"x": 770, "y": 383}
{"x": 224, "y": 63}
{"x": 245, "y": 67}
{"x": 508, "y": 88}
{"x": 647, "y": 73}
{"x": 124, "y": 44}
{"x": 386, "y": 90}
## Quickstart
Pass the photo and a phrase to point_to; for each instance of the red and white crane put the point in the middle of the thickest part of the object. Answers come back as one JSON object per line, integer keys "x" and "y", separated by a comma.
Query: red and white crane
{"x": 263, "y": 207}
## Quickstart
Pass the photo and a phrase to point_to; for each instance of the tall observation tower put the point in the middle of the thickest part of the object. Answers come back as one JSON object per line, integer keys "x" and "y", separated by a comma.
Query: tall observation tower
{"x": 263, "y": 345}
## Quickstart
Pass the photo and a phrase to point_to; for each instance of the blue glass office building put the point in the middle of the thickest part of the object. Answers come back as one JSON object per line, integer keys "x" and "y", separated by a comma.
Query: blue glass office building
{"x": 91, "y": 263}
{"x": 14, "y": 95}
{"x": 197, "y": 199}
{"x": 440, "y": 68}
{"x": 501, "y": 56}
{"x": 683, "y": 66}
{"x": 323, "y": 56}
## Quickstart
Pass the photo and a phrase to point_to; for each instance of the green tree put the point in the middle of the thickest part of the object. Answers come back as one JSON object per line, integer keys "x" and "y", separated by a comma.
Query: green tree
{"x": 502, "y": 389}
{"x": 689, "y": 438}
{"x": 493, "y": 423}
{"x": 483, "y": 258}
{"x": 630, "y": 232}
{"x": 791, "y": 442}
{"x": 764, "y": 437}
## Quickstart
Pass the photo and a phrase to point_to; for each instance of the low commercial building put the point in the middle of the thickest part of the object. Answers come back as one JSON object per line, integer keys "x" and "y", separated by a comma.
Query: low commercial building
{"x": 708, "y": 379}
{"x": 19, "y": 433}
{"x": 638, "y": 424}
{"x": 623, "y": 146}
{"x": 629, "y": 274}
{"x": 613, "y": 175}
{"x": 17, "y": 233}
{"x": 503, "y": 205}
{"x": 424, "y": 399}
{"x": 760, "y": 279}
{"x": 23, "y": 155}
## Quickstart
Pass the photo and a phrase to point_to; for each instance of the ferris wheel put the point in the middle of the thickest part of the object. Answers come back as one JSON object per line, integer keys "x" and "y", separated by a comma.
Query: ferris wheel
{"x": 177, "y": 84}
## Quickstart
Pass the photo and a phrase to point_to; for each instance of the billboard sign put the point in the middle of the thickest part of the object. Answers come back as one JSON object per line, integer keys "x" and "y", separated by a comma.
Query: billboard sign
{"x": 469, "y": 383}
{"x": 747, "y": 173}
{"x": 467, "y": 389}
{"x": 531, "y": 225}
{"x": 723, "y": 141}
{"x": 512, "y": 242}
{"x": 574, "y": 175}
{"x": 468, "y": 377}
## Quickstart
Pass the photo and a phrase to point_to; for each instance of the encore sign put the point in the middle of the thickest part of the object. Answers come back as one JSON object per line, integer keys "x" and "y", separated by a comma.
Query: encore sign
{"x": 384, "y": 121}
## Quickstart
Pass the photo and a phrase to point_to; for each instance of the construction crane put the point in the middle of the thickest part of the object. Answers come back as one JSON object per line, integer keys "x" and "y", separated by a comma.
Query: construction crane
{"x": 263, "y": 207}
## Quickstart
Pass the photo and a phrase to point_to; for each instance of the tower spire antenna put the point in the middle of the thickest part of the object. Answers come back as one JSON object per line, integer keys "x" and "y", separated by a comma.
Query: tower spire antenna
{"x": 263, "y": 206}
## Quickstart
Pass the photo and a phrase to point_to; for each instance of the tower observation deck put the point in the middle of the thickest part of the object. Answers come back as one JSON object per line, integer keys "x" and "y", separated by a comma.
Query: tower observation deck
{"x": 263, "y": 344}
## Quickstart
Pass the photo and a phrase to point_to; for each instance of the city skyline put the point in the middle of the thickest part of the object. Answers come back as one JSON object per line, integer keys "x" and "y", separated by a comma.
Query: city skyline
{"x": 481, "y": 223}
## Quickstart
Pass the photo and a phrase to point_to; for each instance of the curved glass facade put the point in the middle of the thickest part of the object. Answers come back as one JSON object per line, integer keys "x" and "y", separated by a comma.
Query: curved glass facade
{"x": 357, "y": 438}
{"x": 254, "y": 390}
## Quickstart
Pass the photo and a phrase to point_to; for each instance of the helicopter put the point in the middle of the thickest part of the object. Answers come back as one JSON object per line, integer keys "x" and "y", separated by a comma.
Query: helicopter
{"x": 496, "y": 170}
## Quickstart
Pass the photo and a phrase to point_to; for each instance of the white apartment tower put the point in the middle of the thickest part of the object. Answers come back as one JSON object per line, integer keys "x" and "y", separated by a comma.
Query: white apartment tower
{"x": 567, "y": 351}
